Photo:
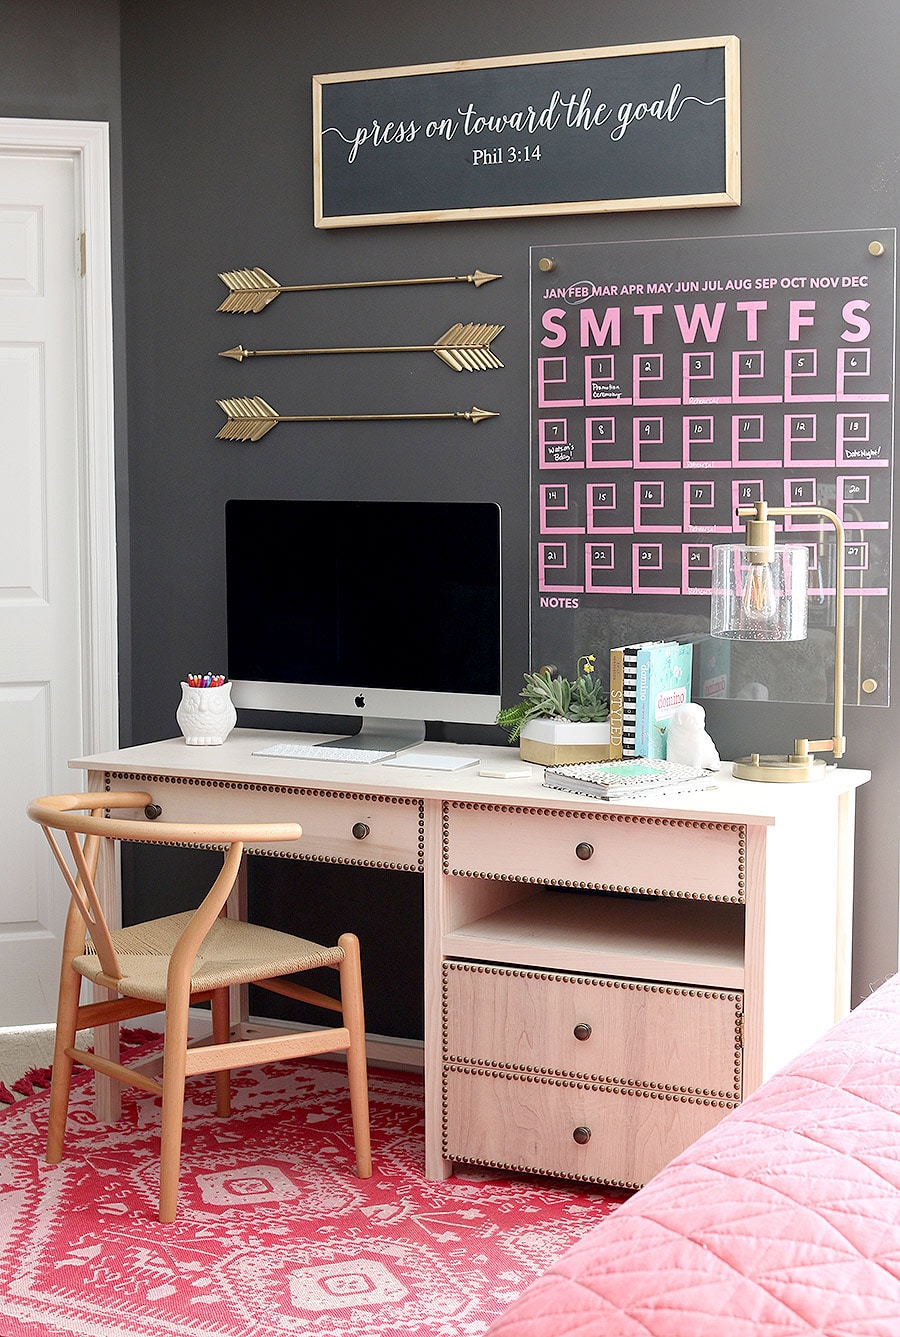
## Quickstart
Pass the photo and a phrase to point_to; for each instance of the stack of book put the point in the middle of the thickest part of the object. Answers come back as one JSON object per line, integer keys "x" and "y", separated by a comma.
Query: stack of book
{"x": 648, "y": 681}
{"x": 627, "y": 779}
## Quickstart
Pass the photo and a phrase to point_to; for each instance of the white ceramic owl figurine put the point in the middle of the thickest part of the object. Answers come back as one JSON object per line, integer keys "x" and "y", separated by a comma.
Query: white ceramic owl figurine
{"x": 206, "y": 715}
{"x": 687, "y": 740}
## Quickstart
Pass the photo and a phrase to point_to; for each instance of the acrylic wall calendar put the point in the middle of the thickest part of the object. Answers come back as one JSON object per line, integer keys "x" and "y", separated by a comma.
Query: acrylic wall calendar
{"x": 673, "y": 381}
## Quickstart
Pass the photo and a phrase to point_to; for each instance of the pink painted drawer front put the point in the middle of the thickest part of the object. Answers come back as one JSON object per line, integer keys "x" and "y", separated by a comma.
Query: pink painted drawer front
{"x": 638, "y": 854}
{"x": 379, "y": 831}
{"x": 574, "y": 1130}
{"x": 626, "y": 1034}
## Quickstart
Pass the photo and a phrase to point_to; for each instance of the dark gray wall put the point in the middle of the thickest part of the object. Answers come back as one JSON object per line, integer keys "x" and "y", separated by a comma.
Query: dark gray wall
{"x": 60, "y": 60}
{"x": 217, "y": 175}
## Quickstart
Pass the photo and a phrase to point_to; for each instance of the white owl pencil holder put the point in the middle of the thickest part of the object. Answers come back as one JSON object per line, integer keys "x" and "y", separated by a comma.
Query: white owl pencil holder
{"x": 206, "y": 715}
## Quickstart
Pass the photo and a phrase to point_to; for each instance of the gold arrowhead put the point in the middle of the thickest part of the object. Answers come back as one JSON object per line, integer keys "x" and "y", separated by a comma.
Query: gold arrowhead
{"x": 238, "y": 353}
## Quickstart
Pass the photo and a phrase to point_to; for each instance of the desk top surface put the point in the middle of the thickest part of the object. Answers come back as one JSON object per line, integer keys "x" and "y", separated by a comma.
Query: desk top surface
{"x": 234, "y": 760}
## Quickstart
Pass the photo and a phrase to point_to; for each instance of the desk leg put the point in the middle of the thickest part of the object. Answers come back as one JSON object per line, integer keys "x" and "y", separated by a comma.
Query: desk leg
{"x": 107, "y": 1091}
{"x": 844, "y": 925}
{"x": 236, "y": 908}
{"x": 435, "y": 1165}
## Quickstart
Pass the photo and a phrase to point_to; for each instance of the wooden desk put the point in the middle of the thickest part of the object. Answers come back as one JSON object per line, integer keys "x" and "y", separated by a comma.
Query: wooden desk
{"x": 603, "y": 981}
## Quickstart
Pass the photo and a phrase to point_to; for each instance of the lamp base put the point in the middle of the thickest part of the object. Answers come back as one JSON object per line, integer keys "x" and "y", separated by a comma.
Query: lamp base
{"x": 779, "y": 770}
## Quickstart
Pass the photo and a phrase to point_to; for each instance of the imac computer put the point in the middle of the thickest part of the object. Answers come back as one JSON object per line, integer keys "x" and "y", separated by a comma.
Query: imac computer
{"x": 385, "y": 611}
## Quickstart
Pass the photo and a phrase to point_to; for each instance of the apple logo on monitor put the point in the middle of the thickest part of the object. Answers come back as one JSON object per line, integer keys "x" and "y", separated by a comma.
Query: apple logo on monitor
{"x": 360, "y": 702}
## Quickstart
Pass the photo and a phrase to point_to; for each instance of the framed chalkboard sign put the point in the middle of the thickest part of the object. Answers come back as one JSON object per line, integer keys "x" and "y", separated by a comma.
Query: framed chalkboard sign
{"x": 566, "y": 132}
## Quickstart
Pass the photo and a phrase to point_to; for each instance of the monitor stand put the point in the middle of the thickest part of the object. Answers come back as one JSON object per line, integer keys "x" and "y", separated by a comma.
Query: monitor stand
{"x": 382, "y": 735}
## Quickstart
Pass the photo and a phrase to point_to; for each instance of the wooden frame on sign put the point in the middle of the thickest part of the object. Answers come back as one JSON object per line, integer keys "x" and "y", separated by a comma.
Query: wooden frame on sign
{"x": 651, "y": 126}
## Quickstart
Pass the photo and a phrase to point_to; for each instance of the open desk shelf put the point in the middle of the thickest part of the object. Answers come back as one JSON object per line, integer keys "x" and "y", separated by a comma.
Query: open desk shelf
{"x": 691, "y": 942}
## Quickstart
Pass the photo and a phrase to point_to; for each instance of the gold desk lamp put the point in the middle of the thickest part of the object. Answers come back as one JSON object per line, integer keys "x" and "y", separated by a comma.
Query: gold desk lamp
{"x": 760, "y": 594}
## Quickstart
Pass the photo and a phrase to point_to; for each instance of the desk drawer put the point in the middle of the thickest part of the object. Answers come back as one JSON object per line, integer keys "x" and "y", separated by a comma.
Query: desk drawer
{"x": 378, "y": 831}
{"x": 654, "y": 856}
{"x": 531, "y": 1124}
{"x": 622, "y": 1033}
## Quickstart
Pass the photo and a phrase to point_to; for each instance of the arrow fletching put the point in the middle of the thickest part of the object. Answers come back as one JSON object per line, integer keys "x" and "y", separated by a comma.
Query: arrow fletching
{"x": 248, "y": 419}
{"x": 250, "y": 290}
{"x": 468, "y": 347}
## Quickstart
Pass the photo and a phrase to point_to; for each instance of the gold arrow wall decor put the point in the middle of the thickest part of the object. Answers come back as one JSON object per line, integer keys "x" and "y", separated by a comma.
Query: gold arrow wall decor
{"x": 462, "y": 347}
{"x": 250, "y": 419}
{"x": 252, "y": 290}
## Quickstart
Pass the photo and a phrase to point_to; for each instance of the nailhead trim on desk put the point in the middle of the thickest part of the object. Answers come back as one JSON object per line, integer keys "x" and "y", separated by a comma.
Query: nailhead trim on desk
{"x": 609, "y": 1085}
{"x": 519, "y": 1168}
{"x": 644, "y": 1090}
{"x": 594, "y": 1081}
{"x": 343, "y": 794}
{"x": 522, "y": 1167}
{"x": 737, "y": 898}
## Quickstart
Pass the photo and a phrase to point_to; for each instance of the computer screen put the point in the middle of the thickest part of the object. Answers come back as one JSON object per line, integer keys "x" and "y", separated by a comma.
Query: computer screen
{"x": 389, "y": 611}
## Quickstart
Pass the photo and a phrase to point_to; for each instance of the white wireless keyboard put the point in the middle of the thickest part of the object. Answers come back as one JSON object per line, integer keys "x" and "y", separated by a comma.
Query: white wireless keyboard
{"x": 313, "y": 752}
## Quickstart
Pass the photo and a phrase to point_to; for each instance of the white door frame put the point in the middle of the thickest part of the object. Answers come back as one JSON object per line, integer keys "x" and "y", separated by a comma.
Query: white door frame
{"x": 87, "y": 144}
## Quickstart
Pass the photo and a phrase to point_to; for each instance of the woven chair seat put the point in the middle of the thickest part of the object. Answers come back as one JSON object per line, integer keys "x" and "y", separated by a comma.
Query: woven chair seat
{"x": 233, "y": 952}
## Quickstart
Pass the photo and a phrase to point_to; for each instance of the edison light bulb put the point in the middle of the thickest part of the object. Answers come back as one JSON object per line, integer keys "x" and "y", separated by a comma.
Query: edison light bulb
{"x": 759, "y": 600}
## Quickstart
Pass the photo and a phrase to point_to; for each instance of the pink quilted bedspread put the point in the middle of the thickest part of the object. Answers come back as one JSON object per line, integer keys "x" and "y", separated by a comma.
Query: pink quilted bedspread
{"x": 783, "y": 1220}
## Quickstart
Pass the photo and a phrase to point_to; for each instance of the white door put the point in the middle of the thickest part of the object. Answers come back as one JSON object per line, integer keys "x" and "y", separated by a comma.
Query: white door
{"x": 51, "y": 637}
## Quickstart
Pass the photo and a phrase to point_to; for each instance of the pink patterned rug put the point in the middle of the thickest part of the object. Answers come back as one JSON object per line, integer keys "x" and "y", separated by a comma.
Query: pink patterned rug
{"x": 275, "y": 1235}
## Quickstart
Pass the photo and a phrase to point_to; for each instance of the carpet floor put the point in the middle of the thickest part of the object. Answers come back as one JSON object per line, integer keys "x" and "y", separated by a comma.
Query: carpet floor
{"x": 26, "y": 1053}
{"x": 275, "y": 1235}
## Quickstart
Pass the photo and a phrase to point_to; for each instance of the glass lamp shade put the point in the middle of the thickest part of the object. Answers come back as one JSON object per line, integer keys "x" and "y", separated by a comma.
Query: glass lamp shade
{"x": 758, "y": 600}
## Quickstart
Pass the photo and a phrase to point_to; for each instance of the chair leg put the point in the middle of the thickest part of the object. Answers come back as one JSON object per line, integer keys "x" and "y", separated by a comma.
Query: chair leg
{"x": 174, "y": 1062}
{"x": 357, "y": 1071}
{"x": 221, "y": 1030}
{"x": 61, "y": 1079}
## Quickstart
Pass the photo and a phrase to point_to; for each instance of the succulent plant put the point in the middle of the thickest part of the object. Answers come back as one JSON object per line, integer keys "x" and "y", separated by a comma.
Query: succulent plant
{"x": 548, "y": 696}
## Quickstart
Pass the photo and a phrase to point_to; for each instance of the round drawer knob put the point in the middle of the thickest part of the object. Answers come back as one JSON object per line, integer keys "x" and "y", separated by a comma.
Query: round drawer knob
{"x": 584, "y": 851}
{"x": 582, "y": 1136}
{"x": 359, "y": 830}
{"x": 582, "y": 1031}
{"x": 152, "y": 811}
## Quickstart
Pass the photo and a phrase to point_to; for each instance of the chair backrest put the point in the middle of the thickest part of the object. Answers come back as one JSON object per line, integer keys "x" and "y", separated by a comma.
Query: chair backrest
{"x": 81, "y": 817}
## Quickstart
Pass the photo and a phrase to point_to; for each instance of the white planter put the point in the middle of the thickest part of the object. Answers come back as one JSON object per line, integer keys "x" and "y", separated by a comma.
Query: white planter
{"x": 562, "y": 742}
